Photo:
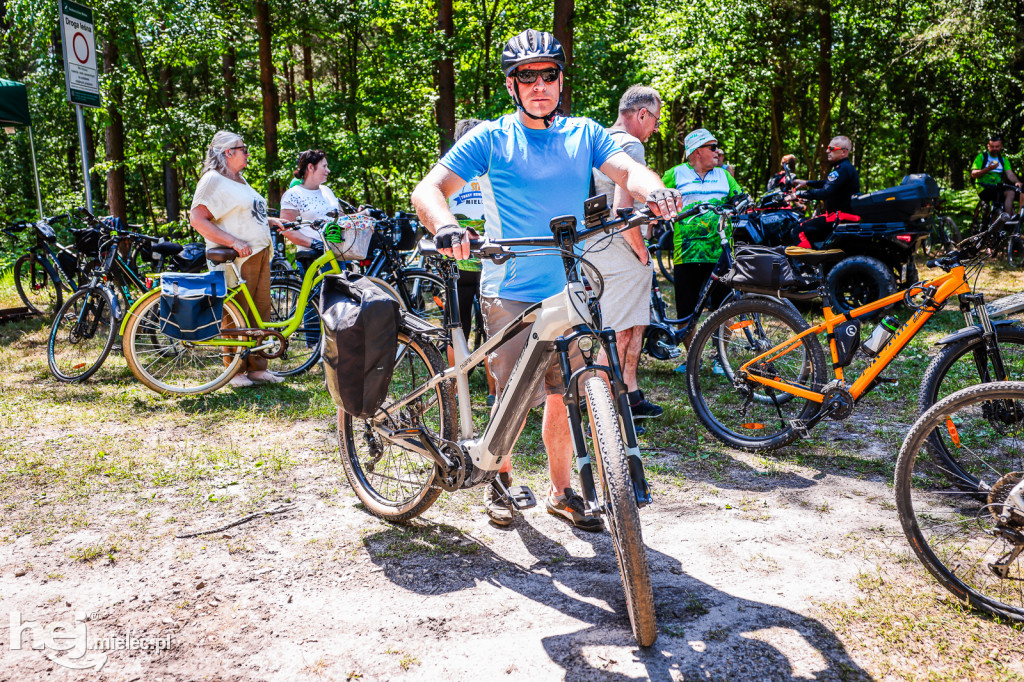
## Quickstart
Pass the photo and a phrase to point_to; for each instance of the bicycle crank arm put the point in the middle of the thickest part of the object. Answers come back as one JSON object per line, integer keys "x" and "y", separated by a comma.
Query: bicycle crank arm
{"x": 264, "y": 349}
{"x": 520, "y": 496}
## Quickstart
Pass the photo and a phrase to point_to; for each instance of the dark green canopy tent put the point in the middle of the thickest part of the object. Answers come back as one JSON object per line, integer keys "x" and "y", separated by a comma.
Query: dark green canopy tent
{"x": 14, "y": 114}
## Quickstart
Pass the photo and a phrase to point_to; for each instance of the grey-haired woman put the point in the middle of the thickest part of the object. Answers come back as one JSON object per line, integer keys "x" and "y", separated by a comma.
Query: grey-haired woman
{"x": 226, "y": 211}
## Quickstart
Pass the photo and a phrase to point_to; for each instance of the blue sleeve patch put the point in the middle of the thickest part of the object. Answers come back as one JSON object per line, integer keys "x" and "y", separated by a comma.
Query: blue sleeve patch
{"x": 833, "y": 176}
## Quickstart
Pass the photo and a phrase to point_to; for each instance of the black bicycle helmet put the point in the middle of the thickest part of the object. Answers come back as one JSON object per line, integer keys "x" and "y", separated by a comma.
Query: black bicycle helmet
{"x": 531, "y": 46}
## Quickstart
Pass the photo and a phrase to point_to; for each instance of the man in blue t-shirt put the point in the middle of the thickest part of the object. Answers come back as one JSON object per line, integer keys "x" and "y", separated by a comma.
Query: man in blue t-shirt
{"x": 532, "y": 165}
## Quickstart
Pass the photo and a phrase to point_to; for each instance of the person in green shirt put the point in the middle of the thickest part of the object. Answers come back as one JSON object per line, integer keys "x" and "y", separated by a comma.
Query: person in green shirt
{"x": 697, "y": 246}
{"x": 991, "y": 169}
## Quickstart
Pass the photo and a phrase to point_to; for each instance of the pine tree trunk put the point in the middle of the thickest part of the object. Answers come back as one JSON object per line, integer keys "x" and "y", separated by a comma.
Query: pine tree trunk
{"x": 565, "y": 15}
{"x": 227, "y": 65}
{"x": 117, "y": 205}
{"x": 172, "y": 203}
{"x": 270, "y": 103}
{"x": 290, "y": 94}
{"x": 824, "y": 83}
{"x": 777, "y": 114}
{"x": 445, "y": 107}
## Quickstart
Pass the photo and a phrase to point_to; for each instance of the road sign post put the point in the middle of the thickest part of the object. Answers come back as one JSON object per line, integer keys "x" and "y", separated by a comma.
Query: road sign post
{"x": 81, "y": 77}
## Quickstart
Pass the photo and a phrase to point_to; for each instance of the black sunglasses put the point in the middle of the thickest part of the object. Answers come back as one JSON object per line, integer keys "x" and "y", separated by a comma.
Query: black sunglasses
{"x": 528, "y": 77}
{"x": 713, "y": 146}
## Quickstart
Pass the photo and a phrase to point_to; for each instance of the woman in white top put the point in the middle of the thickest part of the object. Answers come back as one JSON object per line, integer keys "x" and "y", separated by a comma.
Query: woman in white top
{"x": 310, "y": 200}
{"x": 226, "y": 211}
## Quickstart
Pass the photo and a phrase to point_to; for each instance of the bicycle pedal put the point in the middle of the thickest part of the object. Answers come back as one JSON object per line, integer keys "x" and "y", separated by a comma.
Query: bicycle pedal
{"x": 800, "y": 426}
{"x": 522, "y": 497}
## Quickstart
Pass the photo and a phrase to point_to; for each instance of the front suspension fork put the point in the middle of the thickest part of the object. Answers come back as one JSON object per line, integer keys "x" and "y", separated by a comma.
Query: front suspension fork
{"x": 571, "y": 398}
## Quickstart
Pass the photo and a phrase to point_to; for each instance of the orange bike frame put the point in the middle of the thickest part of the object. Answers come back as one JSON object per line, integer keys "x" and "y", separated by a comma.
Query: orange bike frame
{"x": 947, "y": 285}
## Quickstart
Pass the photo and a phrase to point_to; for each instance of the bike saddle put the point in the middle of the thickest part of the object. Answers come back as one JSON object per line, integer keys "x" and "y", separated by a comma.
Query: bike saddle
{"x": 813, "y": 257}
{"x": 167, "y": 249}
{"x": 221, "y": 254}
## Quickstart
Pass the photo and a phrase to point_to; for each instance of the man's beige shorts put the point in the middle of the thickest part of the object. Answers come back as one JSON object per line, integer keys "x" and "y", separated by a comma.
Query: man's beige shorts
{"x": 497, "y": 313}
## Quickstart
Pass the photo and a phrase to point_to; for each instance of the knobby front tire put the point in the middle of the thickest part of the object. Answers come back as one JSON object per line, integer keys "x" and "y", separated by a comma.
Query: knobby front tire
{"x": 170, "y": 366}
{"x": 621, "y": 511}
{"x": 741, "y": 413}
{"x": 394, "y": 483}
{"x": 957, "y": 533}
{"x": 82, "y": 334}
{"x": 957, "y": 367}
{"x": 37, "y": 289}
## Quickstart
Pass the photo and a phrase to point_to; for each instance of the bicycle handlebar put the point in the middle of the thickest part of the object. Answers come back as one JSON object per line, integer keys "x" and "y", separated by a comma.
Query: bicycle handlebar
{"x": 972, "y": 245}
{"x": 500, "y": 250}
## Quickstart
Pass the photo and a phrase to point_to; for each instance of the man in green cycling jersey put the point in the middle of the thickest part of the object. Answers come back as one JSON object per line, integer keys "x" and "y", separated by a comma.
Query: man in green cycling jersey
{"x": 697, "y": 246}
{"x": 991, "y": 169}
{"x": 532, "y": 165}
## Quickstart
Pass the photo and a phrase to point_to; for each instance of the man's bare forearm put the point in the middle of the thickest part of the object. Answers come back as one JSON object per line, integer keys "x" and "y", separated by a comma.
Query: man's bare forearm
{"x": 432, "y": 207}
{"x": 641, "y": 181}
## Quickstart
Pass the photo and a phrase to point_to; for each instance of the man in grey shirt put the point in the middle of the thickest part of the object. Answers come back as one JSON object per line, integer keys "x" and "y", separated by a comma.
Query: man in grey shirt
{"x": 623, "y": 259}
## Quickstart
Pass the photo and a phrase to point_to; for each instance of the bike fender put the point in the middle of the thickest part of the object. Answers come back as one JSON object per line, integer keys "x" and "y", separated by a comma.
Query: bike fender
{"x": 968, "y": 332}
{"x": 131, "y": 311}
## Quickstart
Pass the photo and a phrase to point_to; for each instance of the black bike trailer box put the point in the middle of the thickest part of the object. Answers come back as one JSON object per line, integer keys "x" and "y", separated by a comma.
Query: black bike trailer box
{"x": 191, "y": 305}
{"x": 360, "y": 342}
{"x": 913, "y": 199}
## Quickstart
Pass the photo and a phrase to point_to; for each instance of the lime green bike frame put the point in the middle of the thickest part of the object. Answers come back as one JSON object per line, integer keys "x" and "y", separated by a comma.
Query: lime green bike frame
{"x": 286, "y": 328}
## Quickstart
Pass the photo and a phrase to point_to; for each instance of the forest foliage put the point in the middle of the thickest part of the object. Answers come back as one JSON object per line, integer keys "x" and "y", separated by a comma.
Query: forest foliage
{"x": 917, "y": 84}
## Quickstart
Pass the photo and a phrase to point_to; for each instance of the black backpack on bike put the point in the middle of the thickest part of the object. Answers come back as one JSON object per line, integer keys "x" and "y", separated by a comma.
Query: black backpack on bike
{"x": 360, "y": 342}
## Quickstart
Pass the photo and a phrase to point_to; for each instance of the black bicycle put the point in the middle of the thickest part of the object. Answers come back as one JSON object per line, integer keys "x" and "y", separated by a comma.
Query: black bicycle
{"x": 664, "y": 334}
{"x": 85, "y": 329}
{"x": 417, "y": 289}
{"x": 49, "y": 269}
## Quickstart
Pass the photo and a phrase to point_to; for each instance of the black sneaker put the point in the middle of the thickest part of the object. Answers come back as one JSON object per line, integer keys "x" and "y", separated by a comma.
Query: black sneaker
{"x": 645, "y": 409}
{"x": 498, "y": 508}
{"x": 570, "y": 506}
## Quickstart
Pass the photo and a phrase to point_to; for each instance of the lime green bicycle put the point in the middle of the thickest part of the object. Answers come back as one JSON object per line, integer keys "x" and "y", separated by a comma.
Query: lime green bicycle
{"x": 290, "y": 339}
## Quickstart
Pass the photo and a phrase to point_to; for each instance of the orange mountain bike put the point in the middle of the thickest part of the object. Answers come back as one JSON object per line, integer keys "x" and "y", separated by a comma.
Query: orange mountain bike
{"x": 775, "y": 386}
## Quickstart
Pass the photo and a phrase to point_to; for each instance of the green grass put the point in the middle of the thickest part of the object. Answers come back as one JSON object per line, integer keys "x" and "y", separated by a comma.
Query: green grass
{"x": 8, "y": 294}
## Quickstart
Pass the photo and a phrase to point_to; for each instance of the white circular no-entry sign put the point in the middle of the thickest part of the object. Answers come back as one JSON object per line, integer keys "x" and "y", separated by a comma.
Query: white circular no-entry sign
{"x": 81, "y": 54}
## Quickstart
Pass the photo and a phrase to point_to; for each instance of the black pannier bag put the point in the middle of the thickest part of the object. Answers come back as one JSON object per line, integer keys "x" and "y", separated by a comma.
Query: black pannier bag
{"x": 360, "y": 342}
{"x": 87, "y": 242}
{"x": 761, "y": 270}
{"x": 191, "y": 305}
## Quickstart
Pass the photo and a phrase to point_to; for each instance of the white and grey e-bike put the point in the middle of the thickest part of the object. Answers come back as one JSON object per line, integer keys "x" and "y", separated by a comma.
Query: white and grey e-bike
{"x": 422, "y": 440}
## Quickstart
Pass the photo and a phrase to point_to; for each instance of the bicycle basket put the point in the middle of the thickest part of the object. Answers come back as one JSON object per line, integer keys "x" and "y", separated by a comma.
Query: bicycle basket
{"x": 191, "y": 305}
{"x": 349, "y": 236}
{"x": 761, "y": 270}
